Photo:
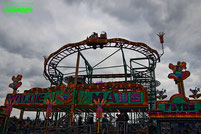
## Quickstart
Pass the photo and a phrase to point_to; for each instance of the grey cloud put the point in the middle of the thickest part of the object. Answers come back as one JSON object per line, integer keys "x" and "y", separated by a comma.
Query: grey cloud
{"x": 24, "y": 40}
{"x": 24, "y": 36}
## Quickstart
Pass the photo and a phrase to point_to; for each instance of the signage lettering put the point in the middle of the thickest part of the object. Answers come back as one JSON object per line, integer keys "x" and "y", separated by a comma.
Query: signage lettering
{"x": 23, "y": 101}
{"x": 135, "y": 97}
{"x": 120, "y": 98}
{"x": 94, "y": 96}
{"x": 13, "y": 98}
{"x": 178, "y": 103}
{"x": 110, "y": 97}
{"x": 83, "y": 98}
{"x": 40, "y": 98}
{"x": 179, "y": 107}
{"x": 31, "y": 98}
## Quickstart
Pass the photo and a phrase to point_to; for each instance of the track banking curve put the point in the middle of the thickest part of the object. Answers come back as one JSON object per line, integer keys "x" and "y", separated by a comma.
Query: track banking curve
{"x": 51, "y": 62}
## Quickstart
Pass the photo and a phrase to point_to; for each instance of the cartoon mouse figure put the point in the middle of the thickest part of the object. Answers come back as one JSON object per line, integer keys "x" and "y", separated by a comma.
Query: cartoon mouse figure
{"x": 178, "y": 73}
{"x": 161, "y": 95}
{"x": 67, "y": 95}
{"x": 16, "y": 83}
{"x": 195, "y": 94}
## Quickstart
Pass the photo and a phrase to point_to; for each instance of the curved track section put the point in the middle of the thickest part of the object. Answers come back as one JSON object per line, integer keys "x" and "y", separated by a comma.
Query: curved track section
{"x": 51, "y": 62}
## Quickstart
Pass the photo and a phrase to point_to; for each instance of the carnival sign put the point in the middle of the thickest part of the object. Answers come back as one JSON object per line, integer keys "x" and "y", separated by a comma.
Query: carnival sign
{"x": 81, "y": 98}
{"x": 179, "y": 103}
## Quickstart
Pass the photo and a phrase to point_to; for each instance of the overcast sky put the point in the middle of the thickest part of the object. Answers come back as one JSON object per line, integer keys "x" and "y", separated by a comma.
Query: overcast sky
{"x": 24, "y": 40}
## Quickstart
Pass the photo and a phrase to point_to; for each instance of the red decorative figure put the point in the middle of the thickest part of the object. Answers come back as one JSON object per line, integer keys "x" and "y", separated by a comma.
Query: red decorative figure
{"x": 49, "y": 103}
{"x": 179, "y": 75}
{"x": 160, "y": 35}
{"x": 16, "y": 83}
{"x": 9, "y": 107}
{"x": 49, "y": 110}
{"x": 99, "y": 110}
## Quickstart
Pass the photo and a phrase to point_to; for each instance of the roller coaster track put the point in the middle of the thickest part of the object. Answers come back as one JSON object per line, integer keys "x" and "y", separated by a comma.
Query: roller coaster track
{"x": 51, "y": 62}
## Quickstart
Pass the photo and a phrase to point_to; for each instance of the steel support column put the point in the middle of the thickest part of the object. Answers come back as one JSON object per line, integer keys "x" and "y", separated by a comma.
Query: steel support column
{"x": 74, "y": 88}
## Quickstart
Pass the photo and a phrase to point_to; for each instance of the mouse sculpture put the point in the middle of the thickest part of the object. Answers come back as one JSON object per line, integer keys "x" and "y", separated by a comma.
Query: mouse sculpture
{"x": 179, "y": 75}
{"x": 16, "y": 83}
{"x": 161, "y": 95}
{"x": 195, "y": 94}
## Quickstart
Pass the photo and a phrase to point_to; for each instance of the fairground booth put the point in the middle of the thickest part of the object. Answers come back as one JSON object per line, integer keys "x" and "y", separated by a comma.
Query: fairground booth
{"x": 179, "y": 114}
{"x": 87, "y": 98}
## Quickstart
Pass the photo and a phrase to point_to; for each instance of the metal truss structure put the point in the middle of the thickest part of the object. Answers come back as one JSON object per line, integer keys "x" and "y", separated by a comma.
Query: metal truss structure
{"x": 136, "y": 72}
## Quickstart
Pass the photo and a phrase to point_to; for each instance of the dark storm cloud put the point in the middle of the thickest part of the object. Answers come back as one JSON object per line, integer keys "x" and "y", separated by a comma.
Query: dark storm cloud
{"x": 158, "y": 14}
{"x": 18, "y": 47}
{"x": 39, "y": 83}
{"x": 23, "y": 36}
{"x": 171, "y": 17}
{"x": 167, "y": 16}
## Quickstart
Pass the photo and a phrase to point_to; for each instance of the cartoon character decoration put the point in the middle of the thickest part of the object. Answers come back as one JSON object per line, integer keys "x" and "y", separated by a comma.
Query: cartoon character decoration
{"x": 160, "y": 35}
{"x": 179, "y": 75}
{"x": 16, "y": 83}
{"x": 67, "y": 95}
{"x": 50, "y": 102}
{"x": 195, "y": 94}
{"x": 9, "y": 107}
{"x": 99, "y": 110}
{"x": 161, "y": 95}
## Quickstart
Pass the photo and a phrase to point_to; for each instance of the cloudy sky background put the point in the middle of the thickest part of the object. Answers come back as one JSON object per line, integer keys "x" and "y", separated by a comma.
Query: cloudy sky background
{"x": 24, "y": 40}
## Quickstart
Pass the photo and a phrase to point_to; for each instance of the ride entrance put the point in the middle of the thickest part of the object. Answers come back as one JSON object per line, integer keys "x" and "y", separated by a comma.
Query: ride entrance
{"x": 88, "y": 79}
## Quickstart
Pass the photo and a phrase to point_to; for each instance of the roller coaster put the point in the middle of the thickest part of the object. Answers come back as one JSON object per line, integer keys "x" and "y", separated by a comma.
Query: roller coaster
{"x": 100, "y": 75}
{"x": 142, "y": 74}
{"x": 90, "y": 79}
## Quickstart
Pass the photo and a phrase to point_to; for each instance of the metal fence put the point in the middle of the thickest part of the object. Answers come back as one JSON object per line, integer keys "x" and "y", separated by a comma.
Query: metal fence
{"x": 120, "y": 127}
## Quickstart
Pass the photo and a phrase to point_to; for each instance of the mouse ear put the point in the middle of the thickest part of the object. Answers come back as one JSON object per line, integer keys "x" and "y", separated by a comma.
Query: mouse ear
{"x": 19, "y": 77}
{"x": 13, "y": 78}
{"x": 171, "y": 66}
{"x": 183, "y": 65}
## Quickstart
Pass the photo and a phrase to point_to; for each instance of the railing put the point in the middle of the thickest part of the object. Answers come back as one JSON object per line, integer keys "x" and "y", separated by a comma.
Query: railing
{"x": 120, "y": 127}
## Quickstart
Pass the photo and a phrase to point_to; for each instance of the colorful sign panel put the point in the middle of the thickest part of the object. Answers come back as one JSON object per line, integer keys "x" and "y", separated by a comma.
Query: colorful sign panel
{"x": 2, "y": 111}
{"x": 113, "y": 97}
{"x": 81, "y": 98}
{"x": 179, "y": 103}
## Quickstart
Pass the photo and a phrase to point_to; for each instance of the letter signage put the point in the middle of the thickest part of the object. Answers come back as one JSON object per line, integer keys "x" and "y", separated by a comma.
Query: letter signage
{"x": 83, "y": 98}
{"x": 179, "y": 103}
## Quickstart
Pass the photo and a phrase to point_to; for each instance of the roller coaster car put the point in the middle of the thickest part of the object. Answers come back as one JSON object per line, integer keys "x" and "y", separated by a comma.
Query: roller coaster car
{"x": 96, "y": 41}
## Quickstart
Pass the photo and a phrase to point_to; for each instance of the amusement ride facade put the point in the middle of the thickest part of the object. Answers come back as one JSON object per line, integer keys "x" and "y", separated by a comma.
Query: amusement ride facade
{"x": 75, "y": 94}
